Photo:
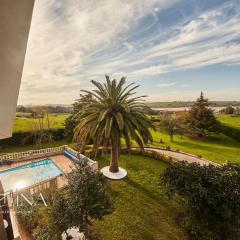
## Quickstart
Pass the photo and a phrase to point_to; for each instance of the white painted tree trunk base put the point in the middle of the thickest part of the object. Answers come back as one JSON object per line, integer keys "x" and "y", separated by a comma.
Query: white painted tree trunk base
{"x": 74, "y": 233}
{"x": 122, "y": 173}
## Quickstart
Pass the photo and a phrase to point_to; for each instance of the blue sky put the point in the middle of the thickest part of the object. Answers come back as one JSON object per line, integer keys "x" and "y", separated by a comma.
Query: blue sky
{"x": 173, "y": 49}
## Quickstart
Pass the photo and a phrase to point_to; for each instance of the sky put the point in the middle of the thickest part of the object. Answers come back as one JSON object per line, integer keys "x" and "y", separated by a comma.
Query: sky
{"x": 172, "y": 49}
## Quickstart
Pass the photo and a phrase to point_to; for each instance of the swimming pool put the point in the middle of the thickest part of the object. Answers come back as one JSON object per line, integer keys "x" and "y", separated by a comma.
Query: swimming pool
{"x": 27, "y": 175}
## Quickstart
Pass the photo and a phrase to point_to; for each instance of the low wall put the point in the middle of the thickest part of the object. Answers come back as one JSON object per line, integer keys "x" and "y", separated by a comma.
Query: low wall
{"x": 91, "y": 163}
{"x": 55, "y": 183}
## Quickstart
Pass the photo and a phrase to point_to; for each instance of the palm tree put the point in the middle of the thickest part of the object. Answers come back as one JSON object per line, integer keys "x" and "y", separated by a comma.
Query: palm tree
{"x": 113, "y": 113}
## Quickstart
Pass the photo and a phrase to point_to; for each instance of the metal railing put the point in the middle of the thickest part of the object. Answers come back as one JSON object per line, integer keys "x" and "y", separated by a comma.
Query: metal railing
{"x": 19, "y": 156}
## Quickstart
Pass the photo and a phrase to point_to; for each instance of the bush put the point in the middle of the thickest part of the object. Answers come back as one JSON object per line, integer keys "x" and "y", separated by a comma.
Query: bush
{"x": 36, "y": 219}
{"x": 86, "y": 198}
{"x": 211, "y": 196}
{"x": 151, "y": 154}
{"x": 70, "y": 124}
{"x": 27, "y": 138}
{"x": 27, "y": 216}
{"x": 45, "y": 233}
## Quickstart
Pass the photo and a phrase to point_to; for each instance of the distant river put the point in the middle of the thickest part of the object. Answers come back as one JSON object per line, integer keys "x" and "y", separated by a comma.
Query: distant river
{"x": 215, "y": 109}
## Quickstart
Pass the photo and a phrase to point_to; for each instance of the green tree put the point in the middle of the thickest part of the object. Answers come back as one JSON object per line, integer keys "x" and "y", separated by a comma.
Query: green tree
{"x": 182, "y": 128}
{"x": 168, "y": 123}
{"x": 211, "y": 195}
{"x": 112, "y": 113}
{"x": 172, "y": 125}
{"x": 72, "y": 121}
{"x": 229, "y": 109}
{"x": 86, "y": 198}
{"x": 201, "y": 119}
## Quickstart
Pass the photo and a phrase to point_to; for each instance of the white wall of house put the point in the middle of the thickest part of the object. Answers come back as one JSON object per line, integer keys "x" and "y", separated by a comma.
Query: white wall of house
{"x": 15, "y": 20}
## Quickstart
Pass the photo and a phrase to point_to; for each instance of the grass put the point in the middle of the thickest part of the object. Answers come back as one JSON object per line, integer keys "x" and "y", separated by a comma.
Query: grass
{"x": 142, "y": 209}
{"x": 229, "y": 120}
{"x": 29, "y": 124}
{"x": 220, "y": 149}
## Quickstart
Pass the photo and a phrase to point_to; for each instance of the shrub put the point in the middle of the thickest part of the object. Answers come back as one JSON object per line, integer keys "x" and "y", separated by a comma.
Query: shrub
{"x": 45, "y": 233}
{"x": 36, "y": 218}
{"x": 27, "y": 216}
{"x": 151, "y": 154}
{"x": 86, "y": 198}
{"x": 26, "y": 138}
{"x": 211, "y": 196}
{"x": 70, "y": 124}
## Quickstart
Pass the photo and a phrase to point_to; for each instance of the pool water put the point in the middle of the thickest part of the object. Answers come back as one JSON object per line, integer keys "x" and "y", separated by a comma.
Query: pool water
{"x": 27, "y": 175}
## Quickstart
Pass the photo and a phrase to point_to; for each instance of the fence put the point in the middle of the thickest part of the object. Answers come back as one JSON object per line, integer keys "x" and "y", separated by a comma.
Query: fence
{"x": 43, "y": 153}
{"x": 22, "y": 156}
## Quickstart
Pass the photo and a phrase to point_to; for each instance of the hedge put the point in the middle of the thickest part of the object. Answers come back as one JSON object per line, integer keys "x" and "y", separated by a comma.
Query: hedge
{"x": 151, "y": 154}
{"x": 147, "y": 153}
{"x": 27, "y": 138}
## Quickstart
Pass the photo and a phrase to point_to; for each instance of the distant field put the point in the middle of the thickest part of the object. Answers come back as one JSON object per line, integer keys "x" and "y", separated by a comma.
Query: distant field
{"x": 29, "y": 124}
{"x": 177, "y": 104}
{"x": 229, "y": 120}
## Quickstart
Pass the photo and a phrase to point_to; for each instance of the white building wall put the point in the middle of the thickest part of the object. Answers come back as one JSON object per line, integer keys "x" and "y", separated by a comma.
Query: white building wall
{"x": 15, "y": 20}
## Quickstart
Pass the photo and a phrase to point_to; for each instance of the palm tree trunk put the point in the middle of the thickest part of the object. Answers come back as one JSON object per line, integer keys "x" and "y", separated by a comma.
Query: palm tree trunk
{"x": 114, "y": 157}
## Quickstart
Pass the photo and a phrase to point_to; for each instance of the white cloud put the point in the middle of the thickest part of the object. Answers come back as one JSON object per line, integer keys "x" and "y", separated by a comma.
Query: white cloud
{"x": 73, "y": 41}
{"x": 211, "y": 38}
{"x": 167, "y": 84}
{"x": 64, "y": 36}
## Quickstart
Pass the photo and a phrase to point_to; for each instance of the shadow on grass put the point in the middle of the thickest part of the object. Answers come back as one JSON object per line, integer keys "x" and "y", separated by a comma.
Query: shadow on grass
{"x": 113, "y": 192}
{"x": 140, "y": 188}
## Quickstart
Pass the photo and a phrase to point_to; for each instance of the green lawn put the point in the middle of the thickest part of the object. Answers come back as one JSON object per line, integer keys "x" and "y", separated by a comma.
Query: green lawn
{"x": 219, "y": 150}
{"x": 229, "y": 120}
{"x": 142, "y": 209}
{"x": 30, "y": 124}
